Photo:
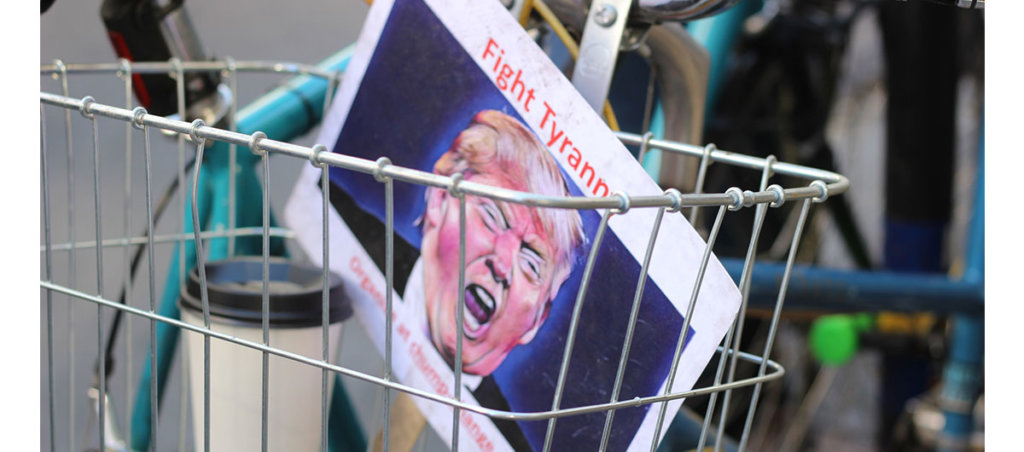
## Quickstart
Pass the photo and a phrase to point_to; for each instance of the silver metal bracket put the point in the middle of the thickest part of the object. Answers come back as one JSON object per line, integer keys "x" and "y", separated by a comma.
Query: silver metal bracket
{"x": 599, "y": 50}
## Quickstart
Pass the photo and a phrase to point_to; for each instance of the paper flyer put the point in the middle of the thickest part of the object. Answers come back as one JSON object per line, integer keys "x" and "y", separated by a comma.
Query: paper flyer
{"x": 457, "y": 87}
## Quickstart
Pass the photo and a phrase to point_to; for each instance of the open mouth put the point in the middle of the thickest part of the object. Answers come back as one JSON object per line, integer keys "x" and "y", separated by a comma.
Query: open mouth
{"x": 479, "y": 307}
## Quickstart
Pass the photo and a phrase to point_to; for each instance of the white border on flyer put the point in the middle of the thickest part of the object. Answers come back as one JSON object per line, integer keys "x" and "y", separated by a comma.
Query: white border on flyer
{"x": 365, "y": 285}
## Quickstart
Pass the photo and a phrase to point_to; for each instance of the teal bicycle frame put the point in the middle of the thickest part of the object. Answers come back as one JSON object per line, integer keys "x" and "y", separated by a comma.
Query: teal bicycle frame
{"x": 282, "y": 114}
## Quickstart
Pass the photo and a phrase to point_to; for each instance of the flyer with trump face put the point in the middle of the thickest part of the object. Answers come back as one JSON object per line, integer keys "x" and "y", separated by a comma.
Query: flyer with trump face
{"x": 457, "y": 88}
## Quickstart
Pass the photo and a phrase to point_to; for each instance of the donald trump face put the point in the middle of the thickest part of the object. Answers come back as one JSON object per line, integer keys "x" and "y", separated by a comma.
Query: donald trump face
{"x": 517, "y": 257}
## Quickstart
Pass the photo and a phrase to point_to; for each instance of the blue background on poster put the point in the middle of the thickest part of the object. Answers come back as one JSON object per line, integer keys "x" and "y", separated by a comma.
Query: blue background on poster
{"x": 419, "y": 91}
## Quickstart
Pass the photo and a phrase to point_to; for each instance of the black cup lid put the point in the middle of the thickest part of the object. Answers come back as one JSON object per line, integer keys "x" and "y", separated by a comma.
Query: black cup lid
{"x": 235, "y": 291}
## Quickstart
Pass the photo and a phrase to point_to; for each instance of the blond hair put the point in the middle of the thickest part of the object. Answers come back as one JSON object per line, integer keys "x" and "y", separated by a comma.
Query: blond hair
{"x": 513, "y": 150}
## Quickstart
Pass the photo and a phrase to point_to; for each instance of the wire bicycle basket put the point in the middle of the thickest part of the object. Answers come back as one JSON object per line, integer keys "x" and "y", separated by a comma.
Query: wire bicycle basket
{"x": 267, "y": 127}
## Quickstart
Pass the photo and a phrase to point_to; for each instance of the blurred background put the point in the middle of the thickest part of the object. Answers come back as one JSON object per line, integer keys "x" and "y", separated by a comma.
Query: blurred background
{"x": 889, "y": 93}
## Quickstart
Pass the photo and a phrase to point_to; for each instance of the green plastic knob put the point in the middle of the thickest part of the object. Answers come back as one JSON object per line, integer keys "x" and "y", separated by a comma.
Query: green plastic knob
{"x": 833, "y": 339}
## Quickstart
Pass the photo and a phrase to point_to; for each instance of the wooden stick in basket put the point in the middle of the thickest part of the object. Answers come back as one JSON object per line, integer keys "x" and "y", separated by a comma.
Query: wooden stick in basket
{"x": 406, "y": 425}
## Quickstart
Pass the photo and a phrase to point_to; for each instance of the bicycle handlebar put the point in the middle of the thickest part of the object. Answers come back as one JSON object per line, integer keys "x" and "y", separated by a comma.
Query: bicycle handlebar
{"x": 146, "y": 30}
{"x": 573, "y": 13}
{"x": 966, "y": 4}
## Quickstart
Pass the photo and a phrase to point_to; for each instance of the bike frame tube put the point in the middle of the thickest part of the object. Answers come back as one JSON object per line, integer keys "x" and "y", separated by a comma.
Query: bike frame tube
{"x": 963, "y": 373}
{"x": 821, "y": 289}
{"x": 828, "y": 290}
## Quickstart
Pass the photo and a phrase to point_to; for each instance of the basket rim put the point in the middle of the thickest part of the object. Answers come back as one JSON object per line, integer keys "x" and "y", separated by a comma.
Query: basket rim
{"x": 823, "y": 183}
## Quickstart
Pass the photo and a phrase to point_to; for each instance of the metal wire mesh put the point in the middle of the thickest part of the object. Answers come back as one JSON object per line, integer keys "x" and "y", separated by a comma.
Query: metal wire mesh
{"x": 188, "y": 235}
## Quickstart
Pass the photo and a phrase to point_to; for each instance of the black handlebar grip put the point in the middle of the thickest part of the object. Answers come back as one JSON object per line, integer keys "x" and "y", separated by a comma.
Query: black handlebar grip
{"x": 134, "y": 28}
{"x": 134, "y": 31}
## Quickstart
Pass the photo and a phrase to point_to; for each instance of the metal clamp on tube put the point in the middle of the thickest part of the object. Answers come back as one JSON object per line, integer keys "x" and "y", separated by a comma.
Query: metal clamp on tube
{"x": 599, "y": 50}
